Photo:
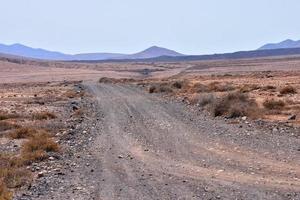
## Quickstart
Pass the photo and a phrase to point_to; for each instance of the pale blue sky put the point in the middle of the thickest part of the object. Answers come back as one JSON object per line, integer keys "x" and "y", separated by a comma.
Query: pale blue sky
{"x": 127, "y": 26}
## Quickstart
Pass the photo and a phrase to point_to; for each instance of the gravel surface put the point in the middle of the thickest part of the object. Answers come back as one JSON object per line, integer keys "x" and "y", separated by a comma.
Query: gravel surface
{"x": 136, "y": 145}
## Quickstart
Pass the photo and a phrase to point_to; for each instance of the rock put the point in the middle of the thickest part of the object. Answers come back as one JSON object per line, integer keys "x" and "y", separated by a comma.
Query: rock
{"x": 244, "y": 118}
{"x": 75, "y": 107}
{"x": 120, "y": 156}
{"x": 292, "y": 117}
{"x": 51, "y": 158}
{"x": 42, "y": 173}
{"x": 274, "y": 130}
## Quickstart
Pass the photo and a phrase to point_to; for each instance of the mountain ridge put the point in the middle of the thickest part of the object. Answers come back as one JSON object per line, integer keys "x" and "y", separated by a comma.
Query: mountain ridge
{"x": 286, "y": 44}
{"x": 39, "y": 53}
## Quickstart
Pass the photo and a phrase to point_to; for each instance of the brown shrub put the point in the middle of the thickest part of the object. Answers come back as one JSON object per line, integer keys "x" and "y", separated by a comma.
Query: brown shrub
{"x": 108, "y": 80}
{"x": 199, "y": 88}
{"x": 24, "y": 132}
{"x": 248, "y": 88}
{"x": 268, "y": 87}
{"x": 36, "y": 148}
{"x": 272, "y": 104}
{"x": 4, "y": 116}
{"x": 12, "y": 173}
{"x": 4, "y": 126}
{"x": 160, "y": 88}
{"x": 212, "y": 87}
{"x": 14, "y": 177}
{"x": 5, "y": 194}
{"x": 43, "y": 116}
{"x": 218, "y": 87}
{"x": 206, "y": 99}
{"x": 179, "y": 84}
{"x": 288, "y": 90}
{"x": 235, "y": 105}
{"x": 164, "y": 89}
{"x": 152, "y": 89}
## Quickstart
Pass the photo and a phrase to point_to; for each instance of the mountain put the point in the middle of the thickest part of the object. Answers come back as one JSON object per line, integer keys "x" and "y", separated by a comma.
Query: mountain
{"x": 152, "y": 52}
{"x": 25, "y": 51}
{"x": 286, "y": 44}
{"x": 292, "y": 52}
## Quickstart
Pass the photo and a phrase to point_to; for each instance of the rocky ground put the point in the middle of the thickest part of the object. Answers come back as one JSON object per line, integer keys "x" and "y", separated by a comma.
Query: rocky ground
{"x": 133, "y": 145}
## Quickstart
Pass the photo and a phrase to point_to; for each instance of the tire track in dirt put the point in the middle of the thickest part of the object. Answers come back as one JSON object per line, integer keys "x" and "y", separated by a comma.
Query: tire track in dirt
{"x": 157, "y": 140}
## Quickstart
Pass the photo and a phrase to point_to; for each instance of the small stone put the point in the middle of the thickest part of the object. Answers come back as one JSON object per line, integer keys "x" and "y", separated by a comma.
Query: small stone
{"x": 120, "y": 156}
{"x": 51, "y": 158}
{"x": 274, "y": 130}
{"x": 244, "y": 118}
{"x": 293, "y": 117}
{"x": 42, "y": 173}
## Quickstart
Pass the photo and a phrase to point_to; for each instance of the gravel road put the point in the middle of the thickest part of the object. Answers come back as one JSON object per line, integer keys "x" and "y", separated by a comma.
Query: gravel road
{"x": 147, "y": 147}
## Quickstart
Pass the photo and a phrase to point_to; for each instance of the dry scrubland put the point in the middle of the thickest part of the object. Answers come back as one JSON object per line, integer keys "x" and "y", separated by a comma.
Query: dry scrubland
{"x": 32, "y": 120}
{"x": 34, "y": 113}
{"x": 272, "y": 96}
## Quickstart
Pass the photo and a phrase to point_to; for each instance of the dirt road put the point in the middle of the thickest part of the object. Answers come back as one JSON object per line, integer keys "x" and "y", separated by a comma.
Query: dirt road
{"x": 144, "y": 147}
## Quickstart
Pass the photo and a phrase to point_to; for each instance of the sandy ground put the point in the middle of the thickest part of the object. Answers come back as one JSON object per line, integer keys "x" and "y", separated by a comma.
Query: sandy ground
{"x": 36, "y": 71}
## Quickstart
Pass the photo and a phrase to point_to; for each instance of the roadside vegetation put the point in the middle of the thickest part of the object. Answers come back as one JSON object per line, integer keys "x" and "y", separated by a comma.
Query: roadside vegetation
{"x": 28, "y": 120}
{"x": 229, "y": 98}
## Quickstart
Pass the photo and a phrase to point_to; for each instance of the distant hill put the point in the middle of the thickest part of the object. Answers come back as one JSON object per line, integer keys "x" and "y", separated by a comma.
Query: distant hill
{"x": 25, "y": 51}
{"x": 286, "y": 44}
{"x": 225, "y": 56}
{"x": 152, "y": 52}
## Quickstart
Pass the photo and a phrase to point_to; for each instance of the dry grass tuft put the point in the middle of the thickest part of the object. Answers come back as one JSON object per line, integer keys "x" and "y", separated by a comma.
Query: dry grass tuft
{"x": 4, "y": 126}
{"x": 272, "y": 104}
{"x": 218, "y": 87}
{"x": 12, "y": 173}
{"x": 5, "y": 194}
{"x": 268, "y": 88}
{"x": 212, "y": 87}
{"x": 288, "y": 90}
{"x": 37, "y": 147}
{"x": 108, "y": 80}
{"x": 206, "y": 99}
{"x": 160, "y": 88}
{"x": 43, "y": 116}
{"x": 180, "y": 84}
{"x": 22, "y": 133}
{"x": 235, "y": 105}
{"x": 152, "y": 89}
{"x": 199, "y": 88}
{"x": 248, "y": 88}
{"x": 14, "y": 177}
{"x": 4, "y": 116}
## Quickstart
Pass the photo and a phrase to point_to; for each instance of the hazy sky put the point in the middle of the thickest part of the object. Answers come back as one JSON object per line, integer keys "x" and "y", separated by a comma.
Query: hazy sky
{"x": 127, "y": 26}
